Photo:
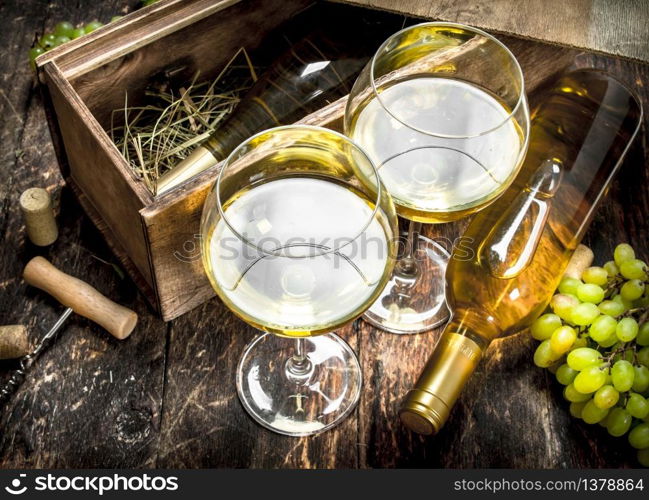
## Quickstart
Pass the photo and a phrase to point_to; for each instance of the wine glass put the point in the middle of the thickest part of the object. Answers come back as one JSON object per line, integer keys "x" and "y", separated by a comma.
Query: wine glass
{"x": 299, "y": 238}
{"x": 441, "y": 111}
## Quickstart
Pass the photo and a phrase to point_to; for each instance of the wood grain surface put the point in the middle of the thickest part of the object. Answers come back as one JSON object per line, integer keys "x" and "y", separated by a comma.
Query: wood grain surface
{"x": 165, "y": 397}
{"x": 611, "y": 26}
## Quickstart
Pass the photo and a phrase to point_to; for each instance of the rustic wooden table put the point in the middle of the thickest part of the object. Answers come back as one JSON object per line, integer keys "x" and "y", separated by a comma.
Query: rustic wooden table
{"x": 166, "y": 396}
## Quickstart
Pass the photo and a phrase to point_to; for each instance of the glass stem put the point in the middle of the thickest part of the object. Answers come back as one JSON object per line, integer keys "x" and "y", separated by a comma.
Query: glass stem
{"x": 406, "y": 266}
{"x": 298, "y": 365}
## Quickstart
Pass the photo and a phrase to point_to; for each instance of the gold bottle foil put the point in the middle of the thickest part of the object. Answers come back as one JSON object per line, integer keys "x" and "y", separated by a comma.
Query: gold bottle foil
{"x": 428, "y": 405}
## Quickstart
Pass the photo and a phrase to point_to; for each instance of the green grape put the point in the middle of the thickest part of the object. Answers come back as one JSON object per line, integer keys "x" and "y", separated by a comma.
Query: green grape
{"x": 576, "y": 409}
{"x": 562, "y": 305}
{"x": 632, "y": 289}
{"x": 637, "y": 406}
{"x": 584, "y": 314}
{"x": 544, "y": 325}
{"x": 623, "y": 302}
{"x": 627, "y": 329}
{"x": 643, "y": 356}
{"x": 590, "y": 379}
{"x": 554, "y": 367}
{"x": 47, "y": 41}
{"x": 34, "y": 52}
{"x": 573, "y": 395}
{"x": 643, "y": 301}
{"x": 595, "y": 275}
{"x": 562, "y": 339}
{"x": 622, "y": 253}
{"x": 92, "y": 26}
{"x": 582, "y": 357}
{"x": 63, "y": 29}
{"x": 643, "y": 457}
{"x": 633, "y": 269}
{"x": 610, "y": 307}
{"x": 602, "y": 328}
{"x": 639, "y": 436}
{"x": 587, "y": 292}
{"x": 591, "y": 414}
{"x": 565, "y": 375}
{"x": 643, "y": 334}
{"x": 610, "y": 341}
{"x": 60, "y": 40}
{"x": 544, "y": 356}
{"x": 581, "y": 341}
{"x": 626, "y": 354}
{"x": 619, "y": 422}
{"x": 77, "y": 32}
{"x": 606, "y": 397}
{"x": 569, "y": 285}
{"x": 611, "y": 268}
{"x": 622, "y": 375}
{"x": 640, "y": 378}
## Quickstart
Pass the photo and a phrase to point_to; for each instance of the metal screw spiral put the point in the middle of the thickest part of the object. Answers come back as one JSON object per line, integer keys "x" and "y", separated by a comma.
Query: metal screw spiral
{"x": 27, "y": 361}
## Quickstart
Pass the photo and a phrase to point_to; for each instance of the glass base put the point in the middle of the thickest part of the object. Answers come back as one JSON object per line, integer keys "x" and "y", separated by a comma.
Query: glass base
{"x": 414, "y": 302}
{"x": 301, "y": 400}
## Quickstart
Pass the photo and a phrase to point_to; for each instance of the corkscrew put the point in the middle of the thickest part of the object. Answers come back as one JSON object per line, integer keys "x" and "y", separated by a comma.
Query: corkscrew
{"x": 79, "y": 297}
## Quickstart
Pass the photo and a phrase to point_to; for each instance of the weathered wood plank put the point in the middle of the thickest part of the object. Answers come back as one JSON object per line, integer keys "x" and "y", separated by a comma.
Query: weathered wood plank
{"x": 617, "y": 28}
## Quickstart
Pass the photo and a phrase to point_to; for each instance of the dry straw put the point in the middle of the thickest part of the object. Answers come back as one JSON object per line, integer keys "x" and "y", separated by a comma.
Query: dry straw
{"x": 158, "y": 135}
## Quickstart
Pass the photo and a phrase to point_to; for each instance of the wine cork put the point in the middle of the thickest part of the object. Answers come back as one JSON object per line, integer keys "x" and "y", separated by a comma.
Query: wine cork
{"x": 581, "y": 259}
{"x": 13, "y": 342}
{"x": 36, "y": 205}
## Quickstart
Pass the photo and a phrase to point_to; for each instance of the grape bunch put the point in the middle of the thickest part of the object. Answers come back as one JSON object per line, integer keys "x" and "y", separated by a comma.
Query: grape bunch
{"x": 66, "y": 31}
{"x": 63, "y": 33}
{"x": 596, "y": 342}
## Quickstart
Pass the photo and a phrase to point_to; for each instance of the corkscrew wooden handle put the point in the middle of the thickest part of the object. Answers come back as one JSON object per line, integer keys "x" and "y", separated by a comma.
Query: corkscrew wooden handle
{"x": 81, "y": 297}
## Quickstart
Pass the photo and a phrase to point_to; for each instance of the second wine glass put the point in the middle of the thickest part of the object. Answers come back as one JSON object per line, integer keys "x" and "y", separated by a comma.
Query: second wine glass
{"x": 441, "y": 110}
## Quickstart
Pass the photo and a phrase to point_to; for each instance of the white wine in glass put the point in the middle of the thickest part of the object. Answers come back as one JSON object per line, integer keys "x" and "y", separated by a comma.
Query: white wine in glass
{"x": 299, "y": 239}
{"x": 442, "y": 112}
{"x": 445, "y": 178}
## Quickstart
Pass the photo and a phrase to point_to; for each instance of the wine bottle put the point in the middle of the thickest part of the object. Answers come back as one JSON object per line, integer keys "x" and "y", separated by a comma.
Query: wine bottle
{"x": 516, "y": 250}
{"x": 317, "y": 70}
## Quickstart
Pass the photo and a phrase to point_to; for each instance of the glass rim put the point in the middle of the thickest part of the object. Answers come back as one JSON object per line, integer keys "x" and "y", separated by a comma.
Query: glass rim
{"x": 471, "y": 29}
{"x": 279, "y": 251}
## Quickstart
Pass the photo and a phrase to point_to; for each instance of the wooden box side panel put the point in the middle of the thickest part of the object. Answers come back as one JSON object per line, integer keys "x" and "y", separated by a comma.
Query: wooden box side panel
{"x": 121, "y": 254}
{"x": 94, "y": 166}
{"x": 173, "y": 233}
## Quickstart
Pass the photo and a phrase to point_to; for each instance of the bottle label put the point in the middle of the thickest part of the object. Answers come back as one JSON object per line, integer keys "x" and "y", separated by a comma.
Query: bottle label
{"x": 462, "y": 344}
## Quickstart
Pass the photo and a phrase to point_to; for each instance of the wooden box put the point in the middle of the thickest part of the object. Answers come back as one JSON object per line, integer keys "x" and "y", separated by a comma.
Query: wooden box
{"x": 157, "y": 238}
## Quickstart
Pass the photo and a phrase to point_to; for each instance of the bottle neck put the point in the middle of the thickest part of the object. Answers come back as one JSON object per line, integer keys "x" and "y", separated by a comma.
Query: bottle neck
{"x": 479, "y": 326}
{"x": 456, "y": 356}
